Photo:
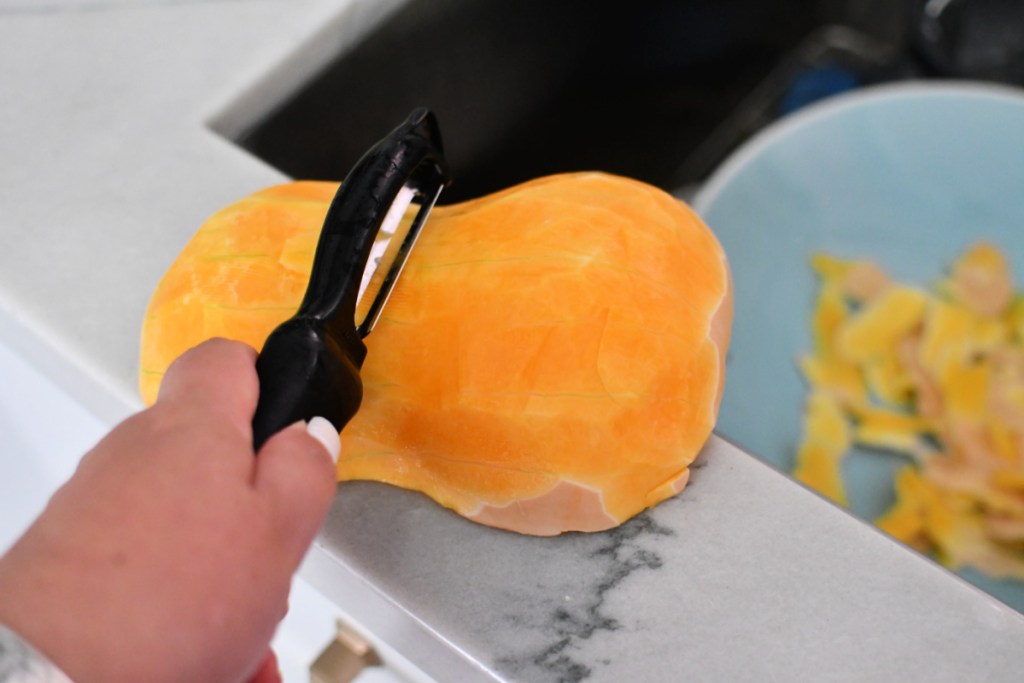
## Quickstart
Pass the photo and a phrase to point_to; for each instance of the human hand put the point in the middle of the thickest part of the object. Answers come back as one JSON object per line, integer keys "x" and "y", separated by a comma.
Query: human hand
{"x": 168, "y": 556}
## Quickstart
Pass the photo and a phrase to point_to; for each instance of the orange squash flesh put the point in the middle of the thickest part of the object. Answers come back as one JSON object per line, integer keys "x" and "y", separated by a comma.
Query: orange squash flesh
{"x": 551, "y": 359}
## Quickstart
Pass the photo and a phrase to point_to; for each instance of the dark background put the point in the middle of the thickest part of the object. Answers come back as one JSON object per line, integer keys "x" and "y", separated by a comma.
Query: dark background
{"x": 659, "y": 90}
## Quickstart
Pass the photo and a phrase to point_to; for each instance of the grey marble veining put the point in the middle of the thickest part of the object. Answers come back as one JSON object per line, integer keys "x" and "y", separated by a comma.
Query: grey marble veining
{"x": 568, "y": 624}
{"x": 720, "y": 583}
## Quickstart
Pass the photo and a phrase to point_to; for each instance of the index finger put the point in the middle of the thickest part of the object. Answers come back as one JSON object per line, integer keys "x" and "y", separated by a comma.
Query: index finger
{"x": 217, "y": 377}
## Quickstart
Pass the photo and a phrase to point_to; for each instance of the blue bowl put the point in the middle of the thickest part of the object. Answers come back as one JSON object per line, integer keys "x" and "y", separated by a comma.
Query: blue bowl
{"x": 907, "y": 176}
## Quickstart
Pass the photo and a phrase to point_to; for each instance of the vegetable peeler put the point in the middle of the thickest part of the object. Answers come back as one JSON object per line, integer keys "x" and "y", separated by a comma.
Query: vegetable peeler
{"x": 310, "y": 363}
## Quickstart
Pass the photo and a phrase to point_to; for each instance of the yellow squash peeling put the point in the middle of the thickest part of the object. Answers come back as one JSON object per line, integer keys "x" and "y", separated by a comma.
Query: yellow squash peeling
{"x": 939, "y": 377}
{"x": 551, "y": 359}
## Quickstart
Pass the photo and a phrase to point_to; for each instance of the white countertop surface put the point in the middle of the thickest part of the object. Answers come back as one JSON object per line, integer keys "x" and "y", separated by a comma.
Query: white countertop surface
{"x": 109, "y": 165}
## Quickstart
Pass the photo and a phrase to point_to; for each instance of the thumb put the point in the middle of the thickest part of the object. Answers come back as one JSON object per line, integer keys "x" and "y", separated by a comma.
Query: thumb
{"x": 295, "y": 472}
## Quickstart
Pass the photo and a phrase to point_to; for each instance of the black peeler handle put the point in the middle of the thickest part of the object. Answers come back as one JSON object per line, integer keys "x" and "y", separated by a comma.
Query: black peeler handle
{"x": 310, "y": 364}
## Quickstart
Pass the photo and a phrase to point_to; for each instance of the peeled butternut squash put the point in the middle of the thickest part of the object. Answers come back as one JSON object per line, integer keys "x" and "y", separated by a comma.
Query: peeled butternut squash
{"x": 551, "y": 359}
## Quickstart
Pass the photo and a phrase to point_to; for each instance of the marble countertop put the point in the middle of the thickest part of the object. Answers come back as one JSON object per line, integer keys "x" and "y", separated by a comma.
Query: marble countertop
{"x": 744, "y": 577}
{"x": 110, "y": 164}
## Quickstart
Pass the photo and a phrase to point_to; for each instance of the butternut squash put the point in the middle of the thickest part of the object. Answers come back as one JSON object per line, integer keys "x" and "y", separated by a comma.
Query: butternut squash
{"x": 551, "y": 359}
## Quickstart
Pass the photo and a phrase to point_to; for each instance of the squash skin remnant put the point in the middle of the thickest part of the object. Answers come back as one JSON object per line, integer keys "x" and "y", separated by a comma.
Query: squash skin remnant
{"x": 568, "y": 506}
{"x": 552, "y": 358}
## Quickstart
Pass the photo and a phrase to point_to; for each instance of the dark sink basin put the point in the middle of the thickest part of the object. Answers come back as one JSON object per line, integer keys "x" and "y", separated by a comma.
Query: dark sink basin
{"x": 524, "y": 88}
{"x": 660, "y": 90}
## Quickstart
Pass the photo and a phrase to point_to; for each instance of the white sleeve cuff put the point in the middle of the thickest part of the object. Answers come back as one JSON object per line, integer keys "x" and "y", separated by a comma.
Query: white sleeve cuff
{"x": 22, "y": 663}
